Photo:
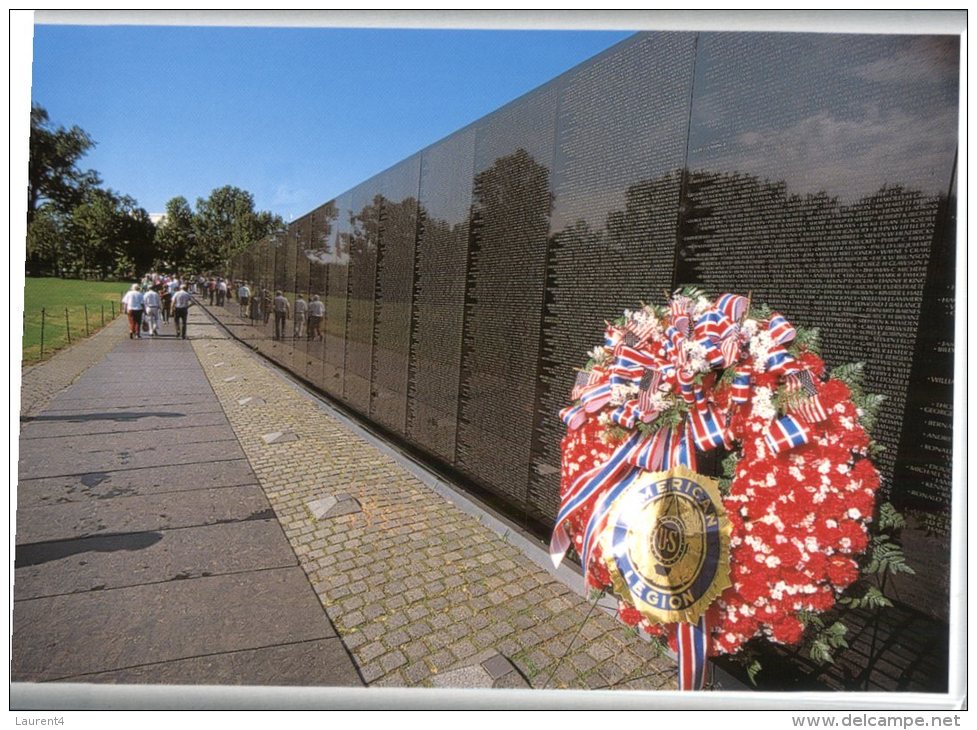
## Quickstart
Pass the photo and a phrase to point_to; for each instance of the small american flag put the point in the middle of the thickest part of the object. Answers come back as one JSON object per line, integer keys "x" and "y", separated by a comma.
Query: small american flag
{"x": 647, "y": 388}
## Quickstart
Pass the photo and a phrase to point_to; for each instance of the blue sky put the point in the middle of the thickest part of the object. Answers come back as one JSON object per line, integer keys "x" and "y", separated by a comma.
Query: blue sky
{"x": 293, "y": 115}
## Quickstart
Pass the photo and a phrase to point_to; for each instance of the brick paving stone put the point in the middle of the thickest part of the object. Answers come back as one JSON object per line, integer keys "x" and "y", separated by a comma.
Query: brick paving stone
{"x": 440, "y": 660}
{"x": 371, "y": 651}
{"x": 395, "y": 639}
{"x": 415, "y": 673}
{"x": 393, "y": 660}
{"x": 463, "y": 649}
{"x": 419, "y": 630}
{"x": 415, "y": 650}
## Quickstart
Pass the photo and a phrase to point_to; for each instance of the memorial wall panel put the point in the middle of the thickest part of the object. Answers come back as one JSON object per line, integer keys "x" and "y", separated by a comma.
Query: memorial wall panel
{"x": 511, "y": 207}
{"x": 365, "y": 201}
{"x": 265, "y": 324}
{"x": 439, "y": 292}
{"x": 620, "y": 149}
{"x": 337, "y": 285}
{"x": 303, "y": 240}
{"x": 285, "y": 283}
{"x": 818, "y": 166}
{"x": 321, "y": 252}
{"x": 394, "y": 290}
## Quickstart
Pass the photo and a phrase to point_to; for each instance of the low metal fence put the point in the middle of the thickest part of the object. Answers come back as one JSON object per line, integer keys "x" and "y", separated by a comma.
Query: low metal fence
{"x": 50, "y": 329}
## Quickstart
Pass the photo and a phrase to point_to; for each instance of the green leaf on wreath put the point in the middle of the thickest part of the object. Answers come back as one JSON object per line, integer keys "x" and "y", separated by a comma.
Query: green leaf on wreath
{"x": 729, "y": 464}
{"x": 821, "y": 652}
{"x": 806, "y": 338}
{"x": 886, "y": 557}
{"x": 834, "y": 635}
{"x": 826, "y": 641}
{"x": 851, "y": 374}
{"x": 868, "y": 404}
{"x": 759, "y": 312}
{"x": 889, "y": 518}
{"x": 875, "y": 449}
{"x": 726, "y": 379}
{"x": 809, "y": 618}
{"x": 785, "y": 400}
{"x": 752, "y": 670}
{"x": 692, "y": 291}
{"x": 873, "y": 598}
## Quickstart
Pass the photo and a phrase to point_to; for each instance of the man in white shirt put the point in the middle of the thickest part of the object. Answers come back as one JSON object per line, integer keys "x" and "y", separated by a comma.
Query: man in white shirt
{"x": 181, "y": 303}
{"x": 243, "y": 296}
{"x": 298, "y": 325}
{"x": 151, "y": 305}
{"x": 317, "y": 310}
{"x": 132, "y": 305}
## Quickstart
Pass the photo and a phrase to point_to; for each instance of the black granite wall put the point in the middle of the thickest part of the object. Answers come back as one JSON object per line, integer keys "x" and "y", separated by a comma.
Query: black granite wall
{"x": 464, "y": 284}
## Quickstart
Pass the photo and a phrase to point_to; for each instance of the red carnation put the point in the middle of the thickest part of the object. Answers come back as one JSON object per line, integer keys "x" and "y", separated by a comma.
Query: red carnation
{"x": 842, "y": 571}
{"x": 787, "y": 630}
{"x": 813, "y": 363}
{"x": 833, "y": 392}
{"x": 629, "y": 614}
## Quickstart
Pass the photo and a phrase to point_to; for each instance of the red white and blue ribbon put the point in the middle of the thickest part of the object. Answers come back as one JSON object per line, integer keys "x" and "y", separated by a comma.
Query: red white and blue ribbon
{"x": 692, "y": 642}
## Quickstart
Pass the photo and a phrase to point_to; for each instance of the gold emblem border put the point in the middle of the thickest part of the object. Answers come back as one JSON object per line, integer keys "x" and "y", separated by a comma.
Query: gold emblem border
{"x": 719, "y": 583}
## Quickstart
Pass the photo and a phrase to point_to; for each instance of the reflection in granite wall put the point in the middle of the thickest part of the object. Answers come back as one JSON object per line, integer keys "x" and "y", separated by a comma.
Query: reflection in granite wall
{"x": 622, "y": 125}
{"x": 320, "y": 252}
{"x": 506, "y": 278}
{"x": 818, "y": 189}
{"x": 303, "y": 238}
{"x": 337, "y": 285}
{"x": 393, "y": 297}
{"x": 439, "y": 293}
{"x": 813, "y": 171}
{"x": 361, "y": 288}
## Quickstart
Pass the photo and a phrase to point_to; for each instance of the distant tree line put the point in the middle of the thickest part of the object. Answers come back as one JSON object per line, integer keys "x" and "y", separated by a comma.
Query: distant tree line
{"x": 78, "y": 228}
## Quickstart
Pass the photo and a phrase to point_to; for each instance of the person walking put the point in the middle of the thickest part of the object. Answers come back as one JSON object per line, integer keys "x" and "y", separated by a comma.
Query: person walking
{"x": 181, "y": 304}
{"x": 132, "y": 305}
{"x": 166, "y": 301}
{"x": 298, "y": 324}
{"x": 151, "y": 306}
{"x": 243, "y": 295}
{"x": 317, "y": 311}
{"x": 221, "y": 292}
{"x": 281, "y": 314}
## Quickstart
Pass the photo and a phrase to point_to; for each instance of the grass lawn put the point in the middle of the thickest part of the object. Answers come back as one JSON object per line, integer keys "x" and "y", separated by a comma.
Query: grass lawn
{"x": 55, "y": 296}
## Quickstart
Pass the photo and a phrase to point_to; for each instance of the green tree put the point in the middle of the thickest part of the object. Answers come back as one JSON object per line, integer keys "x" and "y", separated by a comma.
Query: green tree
{"x": 45, "y": 242}
{"x": 175, "y": 236}
{"x": 108, "y": 234}
{"x": 225, "y": 224}
{"x": 53, "y": 172}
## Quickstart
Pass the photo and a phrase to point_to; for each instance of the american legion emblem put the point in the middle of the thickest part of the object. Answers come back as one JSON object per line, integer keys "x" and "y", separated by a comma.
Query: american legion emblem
{"x": 667, "y": 544}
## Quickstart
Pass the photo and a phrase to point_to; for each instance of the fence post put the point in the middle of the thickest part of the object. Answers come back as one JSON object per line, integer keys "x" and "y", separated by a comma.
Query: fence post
{"x": 42, "y": 333}
{"x": 67, "y": 326}
{"x": 87, "y": 333}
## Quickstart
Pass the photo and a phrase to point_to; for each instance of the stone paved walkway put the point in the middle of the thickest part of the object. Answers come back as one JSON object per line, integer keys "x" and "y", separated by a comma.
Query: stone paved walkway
{"x": 415, "y": 586}
{"x": 421, "y": 592}
{"x": 146, "y": 551}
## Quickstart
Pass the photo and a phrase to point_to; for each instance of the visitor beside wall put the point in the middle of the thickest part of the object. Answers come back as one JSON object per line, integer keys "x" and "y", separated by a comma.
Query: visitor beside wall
{"x": 281, "y": 314}
{"x": 298, "y": 325}
{"x": 317, "y": 311}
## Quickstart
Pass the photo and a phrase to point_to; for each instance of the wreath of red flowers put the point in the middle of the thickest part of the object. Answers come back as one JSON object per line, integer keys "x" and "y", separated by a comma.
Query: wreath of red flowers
{"x": 798, "y": 503}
